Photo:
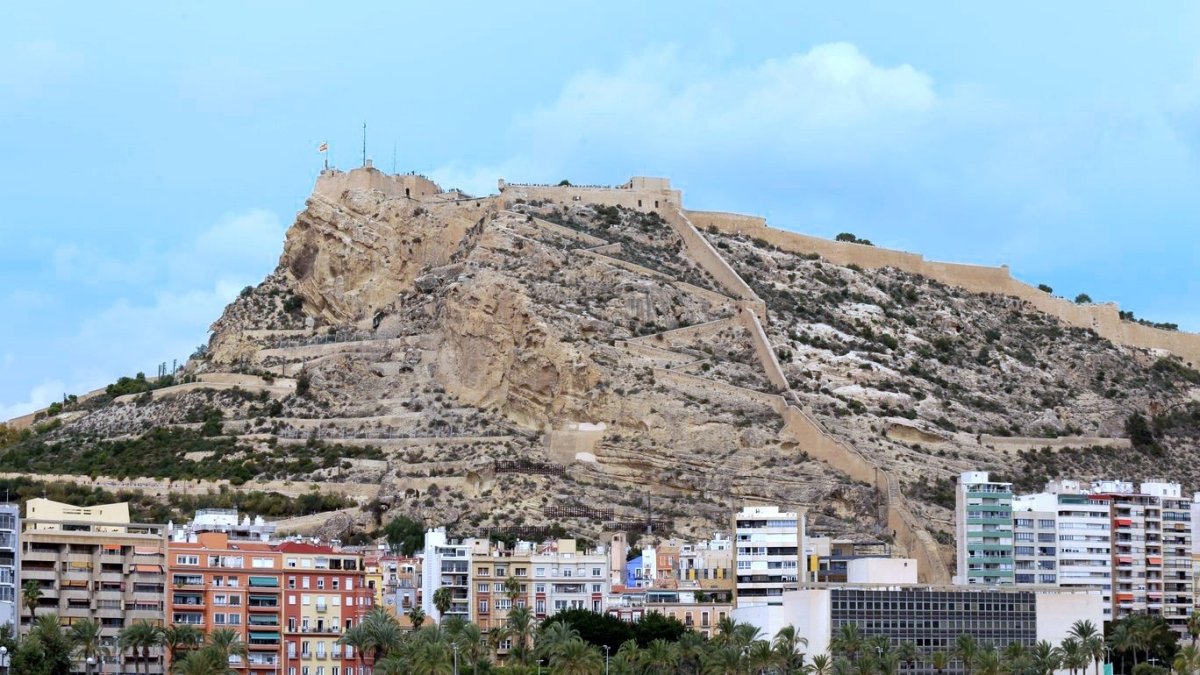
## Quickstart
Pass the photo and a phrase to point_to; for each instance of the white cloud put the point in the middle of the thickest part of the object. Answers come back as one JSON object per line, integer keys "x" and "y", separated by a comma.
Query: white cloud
{"x": 27, "y": 69}
{"x": 662, "y": 101}
{"x": 39, "y": 397}
{"x": 195, "y": 279}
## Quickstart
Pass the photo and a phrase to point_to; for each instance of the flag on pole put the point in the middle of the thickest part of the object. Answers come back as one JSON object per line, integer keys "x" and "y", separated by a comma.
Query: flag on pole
{"x": 324, "y": 147}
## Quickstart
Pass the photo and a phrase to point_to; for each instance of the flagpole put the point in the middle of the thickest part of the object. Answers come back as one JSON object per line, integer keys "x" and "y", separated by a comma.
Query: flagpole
{"x": 364, "y": 144}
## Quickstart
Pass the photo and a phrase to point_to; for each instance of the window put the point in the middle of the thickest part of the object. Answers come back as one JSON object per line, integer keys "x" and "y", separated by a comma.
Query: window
{"x": 337, "y": 584}
{"x": 483, "y": 606}
{"x": 291, "y": 562}
{"x": 291, "y": 582}
{"x": 305, "y": 581}
{"x": 482, "y": 587}
{"x": 539, "y": 588}
{"x": 262, "y": 563}
{"x": 187, "y": 560}
{"x": 320, "y": 583}
{"x": 540, "y": 571}
{"x": 596, "y": 571}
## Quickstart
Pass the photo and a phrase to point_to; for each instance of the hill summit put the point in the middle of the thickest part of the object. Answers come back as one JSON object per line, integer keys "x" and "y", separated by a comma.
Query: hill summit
{"x": 599, "y": 358}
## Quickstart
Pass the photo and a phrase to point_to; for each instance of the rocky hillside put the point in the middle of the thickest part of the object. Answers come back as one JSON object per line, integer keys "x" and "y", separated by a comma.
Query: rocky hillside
{"x": 505, "y": 364}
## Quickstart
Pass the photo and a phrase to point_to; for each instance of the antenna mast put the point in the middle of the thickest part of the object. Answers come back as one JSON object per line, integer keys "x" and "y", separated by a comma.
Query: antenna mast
{"x": 364, "y": 144}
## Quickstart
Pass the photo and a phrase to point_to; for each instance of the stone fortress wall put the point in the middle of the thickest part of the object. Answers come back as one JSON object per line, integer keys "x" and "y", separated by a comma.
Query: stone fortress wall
{"x": 1102, "y": 318}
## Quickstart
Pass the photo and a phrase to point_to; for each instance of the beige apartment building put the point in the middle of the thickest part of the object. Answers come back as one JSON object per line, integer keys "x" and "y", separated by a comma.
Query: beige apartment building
{"x": 93, "y": 563}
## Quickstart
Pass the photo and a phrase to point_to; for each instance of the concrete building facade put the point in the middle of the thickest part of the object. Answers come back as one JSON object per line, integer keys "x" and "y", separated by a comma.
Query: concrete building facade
{"x": 10, "y": 564}
{"x": 767, "y": 551}
{"x": 984, "y": 530}
{"x": 92, "y": 563}
{"x": 326, "y": 593}
{"x": 218, "y": 583}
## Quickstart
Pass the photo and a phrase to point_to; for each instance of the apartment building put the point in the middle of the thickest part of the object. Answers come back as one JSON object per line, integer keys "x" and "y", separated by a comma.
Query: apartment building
{"x": 395, "y": 582}
{"x": 93, "y": 563}
{"x": 984, "y": 530}
{"x": 326, "y": 593}
{"x": 768, "y": 545}
{"x": 10, "y": 564}
{"x": 1132, "y": 544}
{"x": 446, "y": 564}
{"x": 699, "y": 611}
{"x": 220, "y": 583}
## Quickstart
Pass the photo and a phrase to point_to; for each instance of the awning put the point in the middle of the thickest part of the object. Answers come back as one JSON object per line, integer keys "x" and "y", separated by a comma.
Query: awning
{"x": 264, "y": 581}
{"x": 153, "y": 569}
{"x": 111, "y": 547}
{"x": 1154, "y": 560}
{"x": 145, "y": 550}
{"x": 264, "y": 635}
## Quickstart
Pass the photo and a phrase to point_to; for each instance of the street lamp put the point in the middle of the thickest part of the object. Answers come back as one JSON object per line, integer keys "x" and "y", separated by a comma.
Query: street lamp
{"x": 4, "y": 658}
{"x": 606, "y": 648}
{"x": 455, "y": 645}
{"x": 540, "y": 662}
{"x": 88, "y": 663}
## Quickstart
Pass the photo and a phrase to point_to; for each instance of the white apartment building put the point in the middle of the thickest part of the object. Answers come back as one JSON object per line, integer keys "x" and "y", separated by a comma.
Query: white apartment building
{"x": 446, "y": 565}
{"x": 768, "y": 545}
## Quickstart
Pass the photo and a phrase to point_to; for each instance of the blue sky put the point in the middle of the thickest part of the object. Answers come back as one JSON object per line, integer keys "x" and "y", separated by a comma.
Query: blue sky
{"x": 155, "y": 155}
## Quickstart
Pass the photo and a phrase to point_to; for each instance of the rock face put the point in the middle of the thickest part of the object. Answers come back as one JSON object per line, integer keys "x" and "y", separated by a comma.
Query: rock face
{"x": 505, "y": 360}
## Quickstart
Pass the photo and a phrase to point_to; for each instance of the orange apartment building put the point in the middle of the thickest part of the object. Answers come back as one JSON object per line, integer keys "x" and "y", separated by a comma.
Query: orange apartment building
{"x": 215, "y": 582}
{"x": 326, "y": 592}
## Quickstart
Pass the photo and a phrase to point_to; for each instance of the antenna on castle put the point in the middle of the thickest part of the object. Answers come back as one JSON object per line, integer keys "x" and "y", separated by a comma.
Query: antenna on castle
{"x": 393, "y": 158}
{"x": 364, "y": 144}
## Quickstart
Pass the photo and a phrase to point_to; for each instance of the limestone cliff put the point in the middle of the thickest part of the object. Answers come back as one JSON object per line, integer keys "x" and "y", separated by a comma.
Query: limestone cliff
{"x": 495, "y": 363}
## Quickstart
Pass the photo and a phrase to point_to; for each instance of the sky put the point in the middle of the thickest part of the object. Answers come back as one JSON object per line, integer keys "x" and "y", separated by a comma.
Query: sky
{"x": 155, "y": 153}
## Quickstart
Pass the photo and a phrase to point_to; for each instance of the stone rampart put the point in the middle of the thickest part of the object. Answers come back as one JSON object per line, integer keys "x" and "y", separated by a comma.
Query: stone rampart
{"x": 1102, "y": 318}
{"x": 332, "y": 183}
{"x": 707, "y": 257}
{"x": 640, "y": 194}
{"x": 762, "y": 348}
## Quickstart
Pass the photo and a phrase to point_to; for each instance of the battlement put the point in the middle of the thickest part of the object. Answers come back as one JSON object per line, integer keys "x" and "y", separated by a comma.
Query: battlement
{"x": 332, "y": 183}
{"x": 640, "y": 193}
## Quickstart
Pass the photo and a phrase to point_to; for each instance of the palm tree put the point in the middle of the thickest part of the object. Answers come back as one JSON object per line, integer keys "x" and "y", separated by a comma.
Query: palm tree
{"x": 430, "y": 655}
{"x": 382, "y": 633}
{"x": 512, "y": 590}
{"x": 139, "y": 637}
{"x": 660, "y": 656}
{"x": 55, "y": 644}
{"x": 1147, "y": 631}
{"x": 967, "y": 651}
{"x": 552, "y": 637}
{"x": 940, "y": 661}
{"x": 989, "y": 662}
{"x": 821, "y": 665}
{"x": 628, "y": 657}
{"x": 416, "y": 616}
{"x": 1123, "y": 640}
{"x": 31, "y": 595}
{"x": 691, "y": 650}
{"x": 1044, "y": 658}
{"x": 1016, "y": 657}
{"x": 576, "y": 657}
{"x": 725, "y": 660}
{"x": 1187, "y": 660}
{"x": 227, "y": 642}
{"x": 1073, "y": 656}
{"x": 725, "y": 628}
{"x": 178, "y": 637}
{"x": 760, "y": 658}
{"x": 908, "y": 654}
{"x": 442, "y": 601}
{"x": 356, "y": 638}
{"x": 1090, "y": 640}
{"x": 788, "y": 645}
{"x": 1193, "y": 626}
{"x": 85, "y": 636}
{"x": 848, "y": 641}
{"x": 209, "y": 660}
{"x": 519, "y": 624}
{"x": 470, "y": 644}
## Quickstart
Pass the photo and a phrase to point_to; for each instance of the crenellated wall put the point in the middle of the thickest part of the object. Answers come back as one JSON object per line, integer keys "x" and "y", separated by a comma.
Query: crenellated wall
{"x": 640, "y": 194}
{"x": 1102, "y": 318}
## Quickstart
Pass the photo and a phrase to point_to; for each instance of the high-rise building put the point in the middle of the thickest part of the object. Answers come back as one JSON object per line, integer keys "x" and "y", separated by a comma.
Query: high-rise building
{"x": 1132, "y": 544}
{"x": 10, "y": 563}
{"x": 446, "y": 564}
{"x": 92, "y": 563}
{"x": 326, "y": 594}
{"x": 984, "y": 529}
{"x": 219, "y": 583}
{"x": 767, "y": 550}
